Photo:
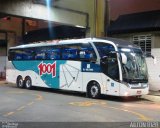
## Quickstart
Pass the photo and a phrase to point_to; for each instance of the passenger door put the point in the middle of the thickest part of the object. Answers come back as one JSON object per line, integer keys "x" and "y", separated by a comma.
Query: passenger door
{"x": 111, "y": 69}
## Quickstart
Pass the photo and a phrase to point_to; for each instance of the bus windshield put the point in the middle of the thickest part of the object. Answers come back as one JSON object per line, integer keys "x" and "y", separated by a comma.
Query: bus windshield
{"x": 134, "y": 70}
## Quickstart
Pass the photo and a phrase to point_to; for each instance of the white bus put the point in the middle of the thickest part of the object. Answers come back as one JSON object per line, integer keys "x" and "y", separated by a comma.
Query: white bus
{"x": 92, "y": 65}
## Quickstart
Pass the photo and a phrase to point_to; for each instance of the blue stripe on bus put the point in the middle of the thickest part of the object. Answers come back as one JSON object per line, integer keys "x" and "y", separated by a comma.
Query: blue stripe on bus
{"x": 48, "y": 78}
{"x": 90, "y": 67}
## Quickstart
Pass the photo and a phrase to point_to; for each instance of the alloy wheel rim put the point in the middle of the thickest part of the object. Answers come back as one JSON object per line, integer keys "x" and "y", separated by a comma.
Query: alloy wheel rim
{"x": 20, "y": 83}
{"x": 28, "y": 83}
{"x": 94, "y": 90}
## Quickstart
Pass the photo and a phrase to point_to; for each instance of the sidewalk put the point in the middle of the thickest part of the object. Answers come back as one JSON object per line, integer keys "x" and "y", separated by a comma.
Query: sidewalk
{"x": 153, "y": 96}
{"x": 2, "y": 81}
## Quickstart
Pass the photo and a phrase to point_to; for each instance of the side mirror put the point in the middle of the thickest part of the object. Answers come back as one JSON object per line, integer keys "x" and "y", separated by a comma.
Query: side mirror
{"x": 124, "y": 58}
{"x": 155, "y": 60}
{"x": 153, "y": 57}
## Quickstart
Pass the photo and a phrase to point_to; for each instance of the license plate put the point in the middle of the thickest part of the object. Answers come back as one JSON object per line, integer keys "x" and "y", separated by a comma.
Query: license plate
{"x": 138, "y": 92}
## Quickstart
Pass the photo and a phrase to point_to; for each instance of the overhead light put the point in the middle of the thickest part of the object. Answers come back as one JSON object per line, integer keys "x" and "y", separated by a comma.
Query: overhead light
{"x": 78, "y": 26}
{"x": 44, "y": 2}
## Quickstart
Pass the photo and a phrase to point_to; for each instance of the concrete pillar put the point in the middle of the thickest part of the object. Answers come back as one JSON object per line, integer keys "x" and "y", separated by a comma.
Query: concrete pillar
{"x": 101, "y": 17}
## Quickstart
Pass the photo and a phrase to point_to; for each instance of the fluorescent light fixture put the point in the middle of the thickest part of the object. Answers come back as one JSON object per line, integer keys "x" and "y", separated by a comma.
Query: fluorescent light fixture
{"x": 44, "y": 2}
{"x": 78, "y": 26}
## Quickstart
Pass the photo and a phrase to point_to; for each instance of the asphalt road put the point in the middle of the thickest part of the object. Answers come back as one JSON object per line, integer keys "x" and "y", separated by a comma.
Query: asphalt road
{"x": 47, "y": 105}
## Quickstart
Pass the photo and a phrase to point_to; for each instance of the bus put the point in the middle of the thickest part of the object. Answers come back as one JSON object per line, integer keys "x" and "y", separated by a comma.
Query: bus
{"x": 94, "y": 66}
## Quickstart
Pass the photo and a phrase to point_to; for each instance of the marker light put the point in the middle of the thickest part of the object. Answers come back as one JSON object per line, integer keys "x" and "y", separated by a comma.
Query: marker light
{"x": 125, "y": 50}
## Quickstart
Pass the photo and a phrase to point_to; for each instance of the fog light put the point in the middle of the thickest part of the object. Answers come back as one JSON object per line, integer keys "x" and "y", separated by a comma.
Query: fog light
{"x": 126, "y": 93}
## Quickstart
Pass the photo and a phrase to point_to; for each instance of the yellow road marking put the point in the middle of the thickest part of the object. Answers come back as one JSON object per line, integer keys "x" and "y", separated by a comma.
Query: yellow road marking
{"x": 39, "y": 97}
{"x": 30, "y": 103}
{"x": 21, "y": 108}
{"x": 87, "y": 103}
{"x": 104, "y": 104}
{"x": 8, "y": 114}
{"x": 15, "y": 92}
{"x": 141, "y": 116}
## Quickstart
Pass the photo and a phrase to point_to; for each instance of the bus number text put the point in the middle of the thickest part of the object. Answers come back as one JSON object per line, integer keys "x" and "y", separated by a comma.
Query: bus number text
{"x": 47, "y": 69}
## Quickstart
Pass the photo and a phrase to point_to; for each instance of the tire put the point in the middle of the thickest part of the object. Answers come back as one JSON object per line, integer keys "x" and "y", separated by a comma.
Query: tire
{"x": 20, "y": 82}
{"x": 28, "y": 83}
{"x": 93, "y": 90}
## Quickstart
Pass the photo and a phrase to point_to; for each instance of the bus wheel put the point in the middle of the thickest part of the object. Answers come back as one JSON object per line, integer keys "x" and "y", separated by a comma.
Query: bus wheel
{"x": 19, "y": 82}
{"x": 93, "y": 90}
{"x": 28, "y": 82}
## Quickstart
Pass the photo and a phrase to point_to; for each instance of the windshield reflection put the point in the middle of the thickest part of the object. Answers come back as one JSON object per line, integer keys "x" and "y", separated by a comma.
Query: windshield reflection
{"x": 134, "y": 69}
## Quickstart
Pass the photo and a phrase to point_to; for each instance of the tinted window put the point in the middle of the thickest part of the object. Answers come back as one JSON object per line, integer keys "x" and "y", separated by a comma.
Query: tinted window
{"x": 103, "y": 48}
{"x": 65, "y": 52}
{"x": 109, "y": 61}
{"x": 21, "y": 54}
{"x": 112, "y": 65}
{"x": 47, "y": 53}
{"x": 78, "y": 52}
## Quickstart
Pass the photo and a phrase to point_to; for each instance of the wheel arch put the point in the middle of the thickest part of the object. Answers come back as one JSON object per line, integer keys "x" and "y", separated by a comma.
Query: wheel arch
{"x": 26, "y": 77}
{"x": 19, "y": 77}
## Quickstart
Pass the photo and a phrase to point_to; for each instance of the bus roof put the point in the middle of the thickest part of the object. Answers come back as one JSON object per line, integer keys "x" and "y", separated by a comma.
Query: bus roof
{"x": 118, "y": 42}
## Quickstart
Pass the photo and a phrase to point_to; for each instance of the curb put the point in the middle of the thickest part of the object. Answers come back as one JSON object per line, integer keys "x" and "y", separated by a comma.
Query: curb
{"x": 152, "y": 98}
{"x": 3, "y": 82}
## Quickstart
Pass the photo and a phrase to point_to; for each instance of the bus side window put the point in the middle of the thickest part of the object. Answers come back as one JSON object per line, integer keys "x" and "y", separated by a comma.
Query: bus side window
{"x": 87, "y": 53}
{"x": 40, "y": 54}
{"x": 18, "y": 56}
{"x": 70, "y": 53}
{"x": 79, "y": 51}
{"x": 28, "y": 54}
{"x": 53, "y": 54}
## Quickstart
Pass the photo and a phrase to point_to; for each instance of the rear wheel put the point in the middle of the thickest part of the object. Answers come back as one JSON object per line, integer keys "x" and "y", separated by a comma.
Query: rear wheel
{"x": 28, "y": 83}
{"x": 93, "y": 90}
{"x": 19, "y": 82}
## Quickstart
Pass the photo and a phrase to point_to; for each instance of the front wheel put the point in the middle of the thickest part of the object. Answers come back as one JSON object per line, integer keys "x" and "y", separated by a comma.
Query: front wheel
{"x": 93, "y": 90}
{"x": 28, "y": 83}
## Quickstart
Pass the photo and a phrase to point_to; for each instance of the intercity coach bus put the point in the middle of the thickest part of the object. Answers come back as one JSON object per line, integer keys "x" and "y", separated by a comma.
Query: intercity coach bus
{"x": 92, "y": 65}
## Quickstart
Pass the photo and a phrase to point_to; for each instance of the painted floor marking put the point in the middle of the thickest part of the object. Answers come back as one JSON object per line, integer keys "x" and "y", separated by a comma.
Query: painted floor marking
{"x": 87, "y": 103}
{"x": 38, "y": 97}
{"x": 21, "y": 108}
{"x": 15, "y": 92}
{"x": 104, "y": 104}
{"x": 8, "y": 114}
{"x": 141, "y": 116}
{"x": 30, "y": 103}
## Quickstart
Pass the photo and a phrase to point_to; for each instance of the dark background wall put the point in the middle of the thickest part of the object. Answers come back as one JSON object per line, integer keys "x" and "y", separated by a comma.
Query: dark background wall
{"x": 120, "y": 7}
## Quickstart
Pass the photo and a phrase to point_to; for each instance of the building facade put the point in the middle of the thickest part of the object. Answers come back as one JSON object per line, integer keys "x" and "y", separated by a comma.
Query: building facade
{"x": 142, "y": 29}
